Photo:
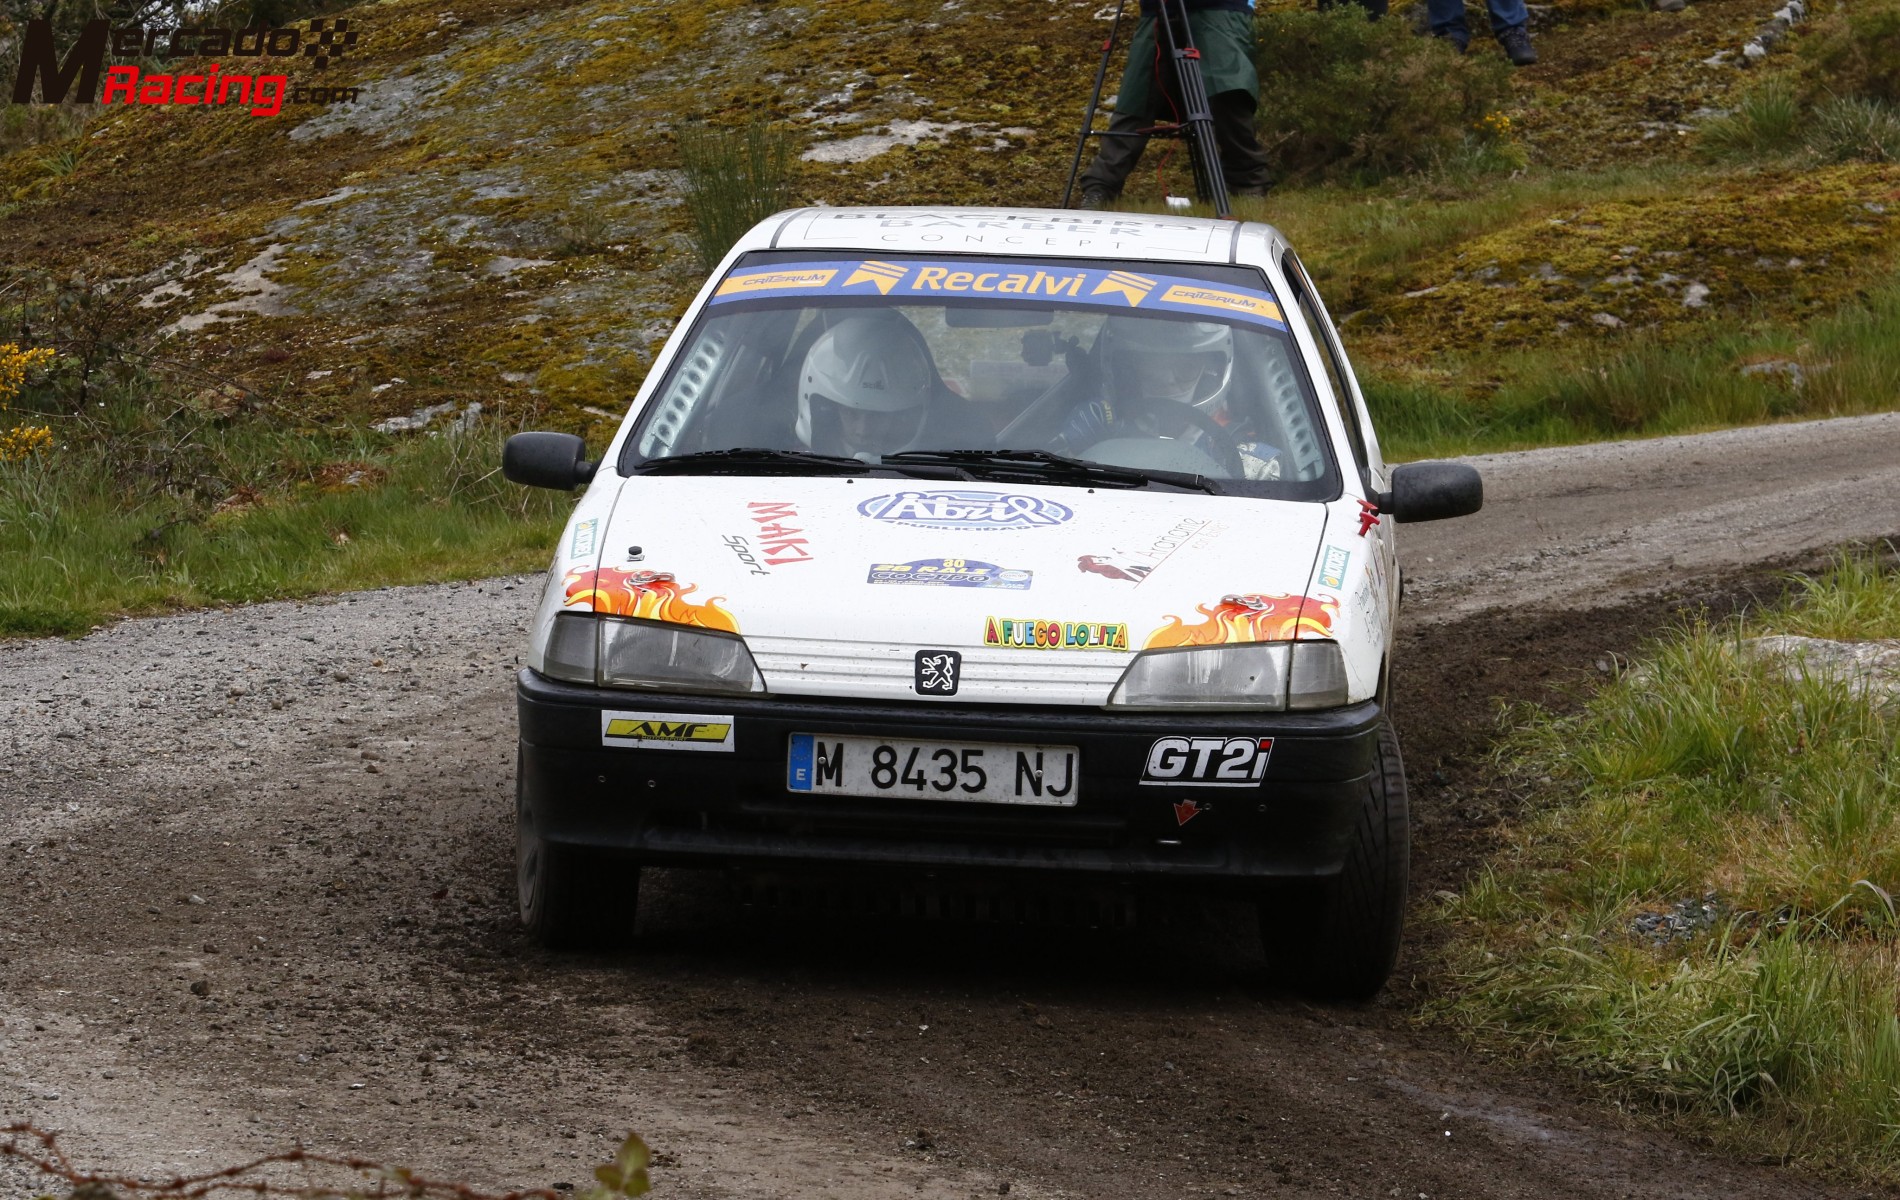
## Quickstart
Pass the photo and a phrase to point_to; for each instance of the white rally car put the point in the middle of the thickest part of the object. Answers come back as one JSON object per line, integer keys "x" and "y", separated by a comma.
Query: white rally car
{"x": 961, "y": 540}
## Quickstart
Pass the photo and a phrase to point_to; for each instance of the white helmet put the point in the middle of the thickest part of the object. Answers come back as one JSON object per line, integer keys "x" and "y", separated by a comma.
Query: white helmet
{"x": 865, "y": 387}
{"x": 1188, "y": 362}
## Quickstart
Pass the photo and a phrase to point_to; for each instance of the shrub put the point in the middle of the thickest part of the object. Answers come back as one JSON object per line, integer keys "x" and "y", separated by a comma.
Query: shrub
{"x": 1343, "y": 97}
{"x": 1854, "y": 51}
{"x": 1766, "y": 122}
{"x": 735, "y": 178}
{"x": 1855, "y": 128}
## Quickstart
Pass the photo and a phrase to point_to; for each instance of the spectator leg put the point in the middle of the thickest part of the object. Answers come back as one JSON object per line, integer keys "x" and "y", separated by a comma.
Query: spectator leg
{"x": 1116, "y": 157}
{"x": 1242, "y": 160}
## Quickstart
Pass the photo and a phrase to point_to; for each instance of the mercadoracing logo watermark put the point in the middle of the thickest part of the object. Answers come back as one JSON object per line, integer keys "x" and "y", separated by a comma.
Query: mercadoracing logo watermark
{"x": 248, "y": 81}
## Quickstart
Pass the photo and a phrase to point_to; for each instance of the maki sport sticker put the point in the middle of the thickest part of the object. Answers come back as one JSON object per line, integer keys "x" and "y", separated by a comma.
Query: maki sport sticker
{"x": 950, "y": 572}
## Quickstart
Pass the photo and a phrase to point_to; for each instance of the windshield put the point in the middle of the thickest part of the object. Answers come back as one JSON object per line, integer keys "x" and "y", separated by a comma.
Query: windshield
{"x": 1179, "y": 372}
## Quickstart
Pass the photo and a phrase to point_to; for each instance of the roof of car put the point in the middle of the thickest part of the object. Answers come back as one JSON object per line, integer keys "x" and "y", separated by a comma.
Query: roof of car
{"x": 1050, "y": 232}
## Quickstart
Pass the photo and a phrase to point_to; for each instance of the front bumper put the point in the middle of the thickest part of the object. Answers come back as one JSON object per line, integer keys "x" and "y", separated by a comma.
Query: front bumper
{"x": 733, "y": 808}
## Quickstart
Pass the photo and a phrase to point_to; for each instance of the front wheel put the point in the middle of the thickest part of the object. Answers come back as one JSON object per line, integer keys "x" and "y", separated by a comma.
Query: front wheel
{"x": 1339, "y": 940}
{"x": 571, "y": 899}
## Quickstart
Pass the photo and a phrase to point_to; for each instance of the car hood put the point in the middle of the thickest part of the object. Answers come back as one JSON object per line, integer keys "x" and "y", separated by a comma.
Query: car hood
{"x": 837, "y": 584}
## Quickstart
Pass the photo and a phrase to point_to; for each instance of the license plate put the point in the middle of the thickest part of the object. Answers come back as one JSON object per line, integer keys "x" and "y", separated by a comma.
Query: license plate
{"x": 990, "y": 773}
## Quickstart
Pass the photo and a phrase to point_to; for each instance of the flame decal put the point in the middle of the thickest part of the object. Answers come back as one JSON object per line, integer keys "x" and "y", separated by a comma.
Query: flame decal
{"x": 653, "y": 595}
{"x": 1250, "y": 618}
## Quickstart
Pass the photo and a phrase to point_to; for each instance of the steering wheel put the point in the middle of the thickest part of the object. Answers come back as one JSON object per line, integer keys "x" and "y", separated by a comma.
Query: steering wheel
{"x": 1165, "y": 411}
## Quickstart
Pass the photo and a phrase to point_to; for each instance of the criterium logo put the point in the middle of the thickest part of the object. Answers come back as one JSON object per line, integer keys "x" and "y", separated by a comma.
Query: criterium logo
{"x": 263, "y": 91}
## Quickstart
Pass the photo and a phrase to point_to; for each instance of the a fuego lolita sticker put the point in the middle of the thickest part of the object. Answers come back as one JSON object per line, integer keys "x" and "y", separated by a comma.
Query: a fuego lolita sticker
{"x": 652, "y": 595}
{"x": 1017, "y": 634}
{"x": 966, "y": 510}
{"x": 1251, "y": 618}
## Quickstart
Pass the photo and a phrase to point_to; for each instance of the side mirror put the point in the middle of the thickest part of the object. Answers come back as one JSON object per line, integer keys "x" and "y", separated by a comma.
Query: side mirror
{"x": 1432, "y": 491}
{"x": 549, "y": 460}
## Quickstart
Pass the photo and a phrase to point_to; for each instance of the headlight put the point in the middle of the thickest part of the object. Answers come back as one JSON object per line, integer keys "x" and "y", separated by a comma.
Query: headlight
{"x": 618, "y": 652}
{"x": 1254, "y": 675}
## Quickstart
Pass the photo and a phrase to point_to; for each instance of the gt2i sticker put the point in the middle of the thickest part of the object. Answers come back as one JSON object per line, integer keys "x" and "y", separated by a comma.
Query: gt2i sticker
{"x": 950, "y": 572}
{"x": 1011, "y": 633}
{"x": 1332, "y": 570}
{"x": 1206, "y": 762}
{"x": 966, "y": 510}
{"x": 665, "y": 731}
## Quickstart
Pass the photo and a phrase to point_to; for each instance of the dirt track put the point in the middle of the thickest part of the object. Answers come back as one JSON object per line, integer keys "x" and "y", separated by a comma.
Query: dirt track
{"x": 306, "y": 809}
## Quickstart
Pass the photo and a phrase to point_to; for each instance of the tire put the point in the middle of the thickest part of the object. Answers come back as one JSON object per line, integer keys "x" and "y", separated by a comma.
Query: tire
{"x": 571, "y": 899}
{"x": 1339, "y": 940}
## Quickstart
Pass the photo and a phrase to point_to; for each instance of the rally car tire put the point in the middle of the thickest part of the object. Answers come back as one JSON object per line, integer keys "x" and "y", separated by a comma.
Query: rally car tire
{"x": 1340, "y": 939}
{"x": 571, "y": 899}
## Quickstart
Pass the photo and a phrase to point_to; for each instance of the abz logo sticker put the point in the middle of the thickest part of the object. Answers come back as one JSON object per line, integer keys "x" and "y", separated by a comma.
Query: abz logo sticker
{"x": 966, "y": 510}
{"x": 1206, "y": 762}
{"x": 1011, "y": 633}
{"x": 666, "y": 731}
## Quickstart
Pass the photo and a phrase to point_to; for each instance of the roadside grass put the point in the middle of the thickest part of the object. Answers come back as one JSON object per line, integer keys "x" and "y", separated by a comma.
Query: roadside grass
{"x": 1741, "y": 368}
{"x": 308, "y": 513}
{"x": 1749, "y": 371}
{"x": 1699, "y": 914}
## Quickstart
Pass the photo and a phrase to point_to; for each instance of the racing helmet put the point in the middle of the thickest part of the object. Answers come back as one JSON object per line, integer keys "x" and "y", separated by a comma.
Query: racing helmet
{"x": 865, "y": 387}
{"x": 1146, "y": 358}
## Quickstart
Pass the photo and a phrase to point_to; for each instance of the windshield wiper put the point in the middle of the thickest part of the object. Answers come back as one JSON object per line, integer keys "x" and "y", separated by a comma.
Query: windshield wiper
{"x": 749, "y": 461}
{"x": 1041, "y": 466}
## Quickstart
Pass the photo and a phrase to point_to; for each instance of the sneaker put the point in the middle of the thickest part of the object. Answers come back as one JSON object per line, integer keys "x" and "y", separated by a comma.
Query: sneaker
{"x": 1517, "y": 46}
{"x": 1094, "y": 199}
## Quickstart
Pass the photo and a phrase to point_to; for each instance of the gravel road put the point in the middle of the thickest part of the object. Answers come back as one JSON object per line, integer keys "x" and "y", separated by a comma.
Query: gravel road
{"x": 256, "y": 887}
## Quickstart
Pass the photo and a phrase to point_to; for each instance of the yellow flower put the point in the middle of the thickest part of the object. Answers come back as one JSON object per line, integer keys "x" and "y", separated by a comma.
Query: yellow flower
{"x": 20, "y": 441}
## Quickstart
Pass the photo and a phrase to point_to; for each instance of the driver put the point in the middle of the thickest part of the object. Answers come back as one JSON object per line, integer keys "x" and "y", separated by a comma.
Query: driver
{"x": 1147, "y": 365}
{"x": 865, "y": 388}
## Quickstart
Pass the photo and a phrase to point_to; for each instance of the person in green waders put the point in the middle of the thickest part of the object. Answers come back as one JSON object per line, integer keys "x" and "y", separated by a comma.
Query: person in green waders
{"x": 1223, "y": 32}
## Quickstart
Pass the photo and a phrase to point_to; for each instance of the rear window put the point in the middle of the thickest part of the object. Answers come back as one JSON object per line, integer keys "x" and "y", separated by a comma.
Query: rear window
{"x": 1163, "y": 367}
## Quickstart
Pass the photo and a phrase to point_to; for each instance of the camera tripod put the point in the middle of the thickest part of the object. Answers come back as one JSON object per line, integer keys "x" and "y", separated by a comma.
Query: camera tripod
{"x": 1180, "y": 81}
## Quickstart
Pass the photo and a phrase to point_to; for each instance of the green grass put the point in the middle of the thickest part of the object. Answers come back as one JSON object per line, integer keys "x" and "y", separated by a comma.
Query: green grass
{"x": 1710, "y": 775}
{"x": 1848, "y": 363}
{"x": 735, "y": 178}
{"x": 85, "y": 535}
